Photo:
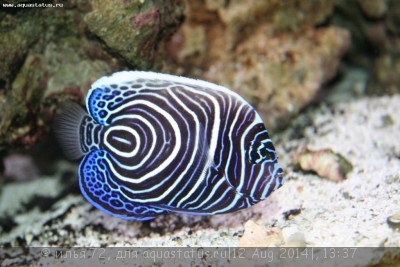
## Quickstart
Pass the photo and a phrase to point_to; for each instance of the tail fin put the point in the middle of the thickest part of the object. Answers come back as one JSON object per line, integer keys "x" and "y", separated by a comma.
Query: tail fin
{"x": 67, "y": 129}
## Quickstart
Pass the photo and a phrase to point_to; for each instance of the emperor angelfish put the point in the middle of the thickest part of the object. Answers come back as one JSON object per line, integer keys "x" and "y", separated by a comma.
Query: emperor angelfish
{"x": 156, "y": 143}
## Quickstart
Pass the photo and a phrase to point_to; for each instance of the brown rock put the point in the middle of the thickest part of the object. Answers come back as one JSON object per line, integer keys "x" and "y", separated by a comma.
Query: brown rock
{"x": 256, "y": 235}
{"x": 373, "y": 8}
{"x": 267, "y": 51}
{"x": 325, "y": 163}
{"x": 278, "y": 74}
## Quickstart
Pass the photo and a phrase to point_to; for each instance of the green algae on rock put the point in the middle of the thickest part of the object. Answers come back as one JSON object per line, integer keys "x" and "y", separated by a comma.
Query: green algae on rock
{"x": 44, "y": 80}
{"x": 17, "y": 34}
{"x": 47, "y": 55}
{"x": 132, "y": 29}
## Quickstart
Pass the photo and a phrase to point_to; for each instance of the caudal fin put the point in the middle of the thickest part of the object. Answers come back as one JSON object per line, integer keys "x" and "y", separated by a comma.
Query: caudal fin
{"x": 67, "y": 129}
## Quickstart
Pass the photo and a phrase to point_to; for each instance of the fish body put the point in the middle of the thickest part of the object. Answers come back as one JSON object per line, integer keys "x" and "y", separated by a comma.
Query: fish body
{"x": 155, "y": 143}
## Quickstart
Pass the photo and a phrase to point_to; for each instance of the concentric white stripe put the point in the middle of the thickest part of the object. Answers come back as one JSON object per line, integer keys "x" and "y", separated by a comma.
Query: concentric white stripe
{"x": 168, "y": 160}
{"x": 115, "y": 150}
{"x": 153, "y": 144}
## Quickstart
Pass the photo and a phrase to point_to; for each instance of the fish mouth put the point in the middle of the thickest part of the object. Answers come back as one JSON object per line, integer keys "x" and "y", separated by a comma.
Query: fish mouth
{"x": 279, "y": 176}
{"x": 280, "y": 173}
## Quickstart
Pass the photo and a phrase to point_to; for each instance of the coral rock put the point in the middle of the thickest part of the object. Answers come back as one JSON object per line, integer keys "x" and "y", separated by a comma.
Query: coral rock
{"x": 259, "y": 236}
{"x": 132, "y": 29}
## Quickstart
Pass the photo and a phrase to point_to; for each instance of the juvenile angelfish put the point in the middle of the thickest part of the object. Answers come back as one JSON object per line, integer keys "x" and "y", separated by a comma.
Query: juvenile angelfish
{"x": 156, "y": 143}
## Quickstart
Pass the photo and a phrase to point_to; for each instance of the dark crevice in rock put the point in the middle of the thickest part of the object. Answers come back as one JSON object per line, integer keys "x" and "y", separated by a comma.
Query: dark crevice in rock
{"x": 7, "y": 224}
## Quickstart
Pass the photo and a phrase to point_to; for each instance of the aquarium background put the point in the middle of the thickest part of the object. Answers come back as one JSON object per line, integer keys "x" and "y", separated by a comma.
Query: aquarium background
{"x": 323, "y": 74}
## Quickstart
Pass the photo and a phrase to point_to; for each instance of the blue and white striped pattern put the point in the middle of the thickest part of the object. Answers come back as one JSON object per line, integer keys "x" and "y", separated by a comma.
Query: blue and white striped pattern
{"x": 156, "y": 143}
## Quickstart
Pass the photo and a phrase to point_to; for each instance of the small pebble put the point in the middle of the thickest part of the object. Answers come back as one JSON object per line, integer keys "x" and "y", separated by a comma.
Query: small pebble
{"x": 256, "y": 235}
{"x": 393, "y": 178}
{"x": 28, "y": 238}
{"x": 325, "y": 163}
{"x": 394, "y": 220}
{"x": 19, "y": 167}
{"x": 296, "y": 240}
